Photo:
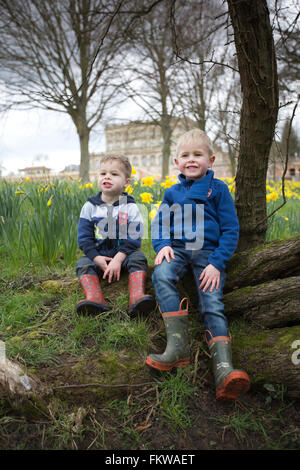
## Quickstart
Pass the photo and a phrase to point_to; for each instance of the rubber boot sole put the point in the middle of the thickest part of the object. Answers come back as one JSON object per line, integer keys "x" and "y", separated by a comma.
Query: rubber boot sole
{"x": 236, "y": 383}
{"x": 88, "y": 307}
{"x": 163, "y": 366}
{"x": 145, "y": 305}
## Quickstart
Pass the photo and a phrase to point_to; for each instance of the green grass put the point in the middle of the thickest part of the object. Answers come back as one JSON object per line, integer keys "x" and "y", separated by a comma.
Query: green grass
{"x": 175, "y": 391}
{"x": 285, "y": 223}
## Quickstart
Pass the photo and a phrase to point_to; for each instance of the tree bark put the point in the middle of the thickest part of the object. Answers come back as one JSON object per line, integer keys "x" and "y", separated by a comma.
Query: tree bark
{"x": 25, "y": 394}
{"x": 274, "y": 260}
{"x": 272, "y": 304}
{"x": 258, "y": 74}
{"x": 84, "y": 156}
{"x": 166, "y": 149}
{"x": 270, "y": 357}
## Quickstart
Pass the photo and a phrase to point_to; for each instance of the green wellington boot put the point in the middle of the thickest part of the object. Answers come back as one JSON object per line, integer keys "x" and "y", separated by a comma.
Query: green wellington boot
{"x": 94, "y": 302}
{"x": 177, "y": 353}
{"x": 139, "y": 302}
{"x": 230, "y": 382}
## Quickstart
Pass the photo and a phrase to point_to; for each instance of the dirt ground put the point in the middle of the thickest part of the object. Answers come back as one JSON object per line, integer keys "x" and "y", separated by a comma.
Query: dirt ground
{"x": 80, "y": 419}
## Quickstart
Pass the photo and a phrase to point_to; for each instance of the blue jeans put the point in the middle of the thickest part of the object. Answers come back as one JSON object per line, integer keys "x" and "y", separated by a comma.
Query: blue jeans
{"x": 166, "y": 275}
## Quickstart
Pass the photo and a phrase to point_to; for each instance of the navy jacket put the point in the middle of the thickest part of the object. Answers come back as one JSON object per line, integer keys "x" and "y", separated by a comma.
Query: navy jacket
{"x": 104, "y": 230}
{"x": 202, "y": 211}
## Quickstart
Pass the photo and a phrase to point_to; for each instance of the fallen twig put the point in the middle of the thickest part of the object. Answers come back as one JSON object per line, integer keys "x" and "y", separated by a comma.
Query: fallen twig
{"x": 97, "y": 384}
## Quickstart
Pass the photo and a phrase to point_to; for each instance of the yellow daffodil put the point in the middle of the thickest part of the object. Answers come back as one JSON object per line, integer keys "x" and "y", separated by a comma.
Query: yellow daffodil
{"x": 168, "y": 183}
{"x": 27, "y": 178}
{"x": 133, "y": 171}
{"x": 146, "y": 197}
{"x": 273, "y": 196}
{"x": 49, "y": 201}
{"x": 153, "y": 213}
{"x": 148, "y": 181}
{"x": 129, "y": 189}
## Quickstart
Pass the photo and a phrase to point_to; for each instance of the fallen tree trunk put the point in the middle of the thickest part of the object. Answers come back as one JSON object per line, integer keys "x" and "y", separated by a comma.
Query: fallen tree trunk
{"x": 24, "y": 393}
{"x": 272, "y": 304}
{"x": 270, "y": 357}
{"x": 275, "y": 260}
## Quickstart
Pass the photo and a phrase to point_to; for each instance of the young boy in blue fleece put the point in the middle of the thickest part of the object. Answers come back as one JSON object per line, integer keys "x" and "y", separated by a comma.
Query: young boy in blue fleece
{"x": 196, "y": 227}
{"x": 110, "y": 231}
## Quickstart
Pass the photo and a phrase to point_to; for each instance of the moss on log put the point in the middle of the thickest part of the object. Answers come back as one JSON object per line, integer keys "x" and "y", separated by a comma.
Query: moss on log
{"x": 270, "y": 356}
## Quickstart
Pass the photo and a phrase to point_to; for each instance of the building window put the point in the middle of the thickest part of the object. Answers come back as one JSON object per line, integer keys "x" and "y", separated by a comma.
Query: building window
{"x": 292, "y": 172}
{"x": 152, "y": 160}
{"x": 135, "y": 161}
{"x": 144, "y": 160}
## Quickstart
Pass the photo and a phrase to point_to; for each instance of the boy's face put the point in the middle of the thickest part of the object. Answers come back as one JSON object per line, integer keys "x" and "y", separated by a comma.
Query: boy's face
{"x": 112, "y": 178}
{"x": 193, "y": 160}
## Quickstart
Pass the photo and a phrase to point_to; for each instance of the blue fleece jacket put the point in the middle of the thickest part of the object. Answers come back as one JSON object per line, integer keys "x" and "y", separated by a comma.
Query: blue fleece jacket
{"x": 106, "y": 229}
{"x": 210, "y": 217}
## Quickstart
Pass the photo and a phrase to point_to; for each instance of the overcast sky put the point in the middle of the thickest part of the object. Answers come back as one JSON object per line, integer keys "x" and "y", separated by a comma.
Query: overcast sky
{"x": 24, "y": 135}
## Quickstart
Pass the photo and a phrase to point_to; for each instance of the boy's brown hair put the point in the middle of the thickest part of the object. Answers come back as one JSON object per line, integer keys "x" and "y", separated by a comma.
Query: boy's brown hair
{"x": 195, "y": 134}
{"x": 121, "y": 159}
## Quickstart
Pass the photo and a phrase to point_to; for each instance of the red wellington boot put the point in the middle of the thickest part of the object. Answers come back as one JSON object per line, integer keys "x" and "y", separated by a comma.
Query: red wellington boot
{"x": 139, "y": 302}
{"x": 94, "y": 302}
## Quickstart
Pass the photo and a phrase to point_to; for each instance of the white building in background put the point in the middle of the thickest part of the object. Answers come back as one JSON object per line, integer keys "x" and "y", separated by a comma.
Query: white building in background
{"x": 142, "y": 142}
{"x": 35, "y": 172}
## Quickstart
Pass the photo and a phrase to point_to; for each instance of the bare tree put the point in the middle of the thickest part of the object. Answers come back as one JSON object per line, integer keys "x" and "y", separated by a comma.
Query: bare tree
{"x": 286, "y": 27}
{"x": 225, "y": 114}
{"x": 58, "y": 55}
{"x": 210, "y": 89}
{"x": 151, "y": 64}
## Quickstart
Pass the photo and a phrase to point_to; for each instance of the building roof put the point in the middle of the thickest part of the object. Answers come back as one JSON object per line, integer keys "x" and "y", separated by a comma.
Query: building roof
{"x": 28, "y": 168}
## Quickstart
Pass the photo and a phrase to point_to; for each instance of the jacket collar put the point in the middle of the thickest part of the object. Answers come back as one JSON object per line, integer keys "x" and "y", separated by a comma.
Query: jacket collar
{"x": 198, "y": 189}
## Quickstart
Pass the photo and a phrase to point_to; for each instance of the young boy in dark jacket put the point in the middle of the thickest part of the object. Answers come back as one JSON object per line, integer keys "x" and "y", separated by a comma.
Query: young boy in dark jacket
{"x": 196, "y": 226}
{"x": 110, "y": 231}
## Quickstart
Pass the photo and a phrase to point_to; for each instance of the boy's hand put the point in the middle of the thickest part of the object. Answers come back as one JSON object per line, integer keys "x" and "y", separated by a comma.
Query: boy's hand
{"x": 102, "y": 261}
{"x": 209, "y": 276}
{"x": 113, "y": 270}
{"x": 165, "y": 252}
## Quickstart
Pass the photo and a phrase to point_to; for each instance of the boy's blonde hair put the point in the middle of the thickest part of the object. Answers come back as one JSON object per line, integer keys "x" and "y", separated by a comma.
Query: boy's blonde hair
{"x": 121, "y": 159}
{"x": 195, "y": 135}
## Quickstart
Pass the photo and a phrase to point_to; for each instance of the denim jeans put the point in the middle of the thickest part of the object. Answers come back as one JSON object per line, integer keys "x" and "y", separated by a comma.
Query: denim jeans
{"x": 166, "y": 275}
{"x": 136, "y": 261}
